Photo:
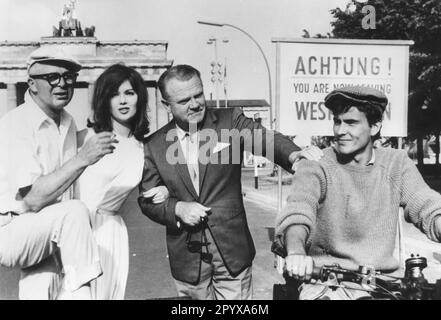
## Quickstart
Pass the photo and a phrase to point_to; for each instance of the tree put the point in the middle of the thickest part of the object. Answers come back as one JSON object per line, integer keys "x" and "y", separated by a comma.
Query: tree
{"x": 420, "y": 21}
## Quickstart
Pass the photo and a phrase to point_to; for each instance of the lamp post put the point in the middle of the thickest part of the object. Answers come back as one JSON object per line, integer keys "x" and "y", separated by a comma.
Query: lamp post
{"x": 224, "y": 76}
{"x": 214, "y": 65}
{"x": 218, "y": 70}
{"x": 217, "y": 24}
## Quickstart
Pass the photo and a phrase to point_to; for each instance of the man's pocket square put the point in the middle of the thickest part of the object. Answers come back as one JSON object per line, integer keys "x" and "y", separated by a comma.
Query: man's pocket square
{"x": 219, "y": 146}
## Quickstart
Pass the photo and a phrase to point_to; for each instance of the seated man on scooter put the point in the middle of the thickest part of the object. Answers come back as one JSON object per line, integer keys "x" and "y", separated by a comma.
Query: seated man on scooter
{"x": 344, "y": 208}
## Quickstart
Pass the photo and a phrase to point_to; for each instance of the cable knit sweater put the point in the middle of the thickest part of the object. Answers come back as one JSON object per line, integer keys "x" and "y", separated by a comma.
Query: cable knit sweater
{"x": 351, "y": 211}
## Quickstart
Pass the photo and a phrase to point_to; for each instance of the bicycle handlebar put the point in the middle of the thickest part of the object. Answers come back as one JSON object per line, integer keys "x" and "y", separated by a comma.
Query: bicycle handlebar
{"x": 412, "y": 287}
{"x": 316, "y": 273}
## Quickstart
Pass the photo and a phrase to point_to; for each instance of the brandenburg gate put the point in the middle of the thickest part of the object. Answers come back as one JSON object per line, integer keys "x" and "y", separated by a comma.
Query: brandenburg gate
{"x": 149, "y": 58}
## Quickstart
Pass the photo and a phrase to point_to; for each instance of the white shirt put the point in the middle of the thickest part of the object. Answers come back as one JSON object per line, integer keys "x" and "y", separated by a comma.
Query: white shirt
{"x": 32, "y": 145}
{"x": 190, "y": 148}
{"x": 372, "y": 161}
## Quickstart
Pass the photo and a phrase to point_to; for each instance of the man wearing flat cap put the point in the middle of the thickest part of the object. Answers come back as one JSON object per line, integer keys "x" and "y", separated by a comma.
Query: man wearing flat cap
{"x": 343, "y": 209}
{"x": 39, "y": 163}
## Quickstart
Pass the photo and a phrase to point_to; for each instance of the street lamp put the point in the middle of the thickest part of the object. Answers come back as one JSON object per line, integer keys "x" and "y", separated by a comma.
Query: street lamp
{"x": 218, "y": 70}
{"x": 214, "y": 67}
{"x": 217, "y": 24}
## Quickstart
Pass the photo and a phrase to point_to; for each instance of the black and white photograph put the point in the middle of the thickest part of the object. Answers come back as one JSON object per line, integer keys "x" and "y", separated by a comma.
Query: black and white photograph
{"x": 244, "y": 151}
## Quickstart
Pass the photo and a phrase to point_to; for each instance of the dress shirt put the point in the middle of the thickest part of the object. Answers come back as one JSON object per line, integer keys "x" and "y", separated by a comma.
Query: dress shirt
{"x": 32, "y": 146}
{"x": 190, "y": 148}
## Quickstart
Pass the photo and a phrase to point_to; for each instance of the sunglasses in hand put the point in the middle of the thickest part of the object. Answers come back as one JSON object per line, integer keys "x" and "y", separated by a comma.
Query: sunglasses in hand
{"x": 197, "y": 246}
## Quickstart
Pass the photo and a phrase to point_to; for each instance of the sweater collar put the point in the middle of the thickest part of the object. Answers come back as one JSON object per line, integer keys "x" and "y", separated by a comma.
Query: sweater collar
{"x": 370, "y": 163}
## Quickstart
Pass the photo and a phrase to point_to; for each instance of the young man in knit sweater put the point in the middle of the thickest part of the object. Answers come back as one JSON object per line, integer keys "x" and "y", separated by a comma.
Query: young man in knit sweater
{"x": 344, "y": 208}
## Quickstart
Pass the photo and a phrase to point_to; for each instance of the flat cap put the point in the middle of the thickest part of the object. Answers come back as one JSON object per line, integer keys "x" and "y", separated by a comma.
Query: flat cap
{"x": 56, "y": 55}
{"x": 358, "y": 95}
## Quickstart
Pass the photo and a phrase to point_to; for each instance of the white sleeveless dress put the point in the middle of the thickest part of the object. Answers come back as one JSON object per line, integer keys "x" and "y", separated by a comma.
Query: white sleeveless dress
{"x": 103, "y": 187}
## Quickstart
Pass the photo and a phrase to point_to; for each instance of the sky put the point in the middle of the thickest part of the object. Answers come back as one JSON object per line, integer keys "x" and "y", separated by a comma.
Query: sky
{"x": 176, "y": 22}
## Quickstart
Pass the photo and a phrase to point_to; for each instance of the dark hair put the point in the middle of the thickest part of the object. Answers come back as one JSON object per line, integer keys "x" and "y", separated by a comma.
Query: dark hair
{"x": 181, "y": 72}
{"x": 372, "y": 111}
{"x": 105, "y": 87}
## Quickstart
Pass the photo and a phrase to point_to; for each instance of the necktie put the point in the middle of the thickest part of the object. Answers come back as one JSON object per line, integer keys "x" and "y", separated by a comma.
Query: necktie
{"x": 192, "y": 155}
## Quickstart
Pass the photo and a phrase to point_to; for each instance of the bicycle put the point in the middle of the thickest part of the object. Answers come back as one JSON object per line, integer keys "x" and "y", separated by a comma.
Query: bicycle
{"x": 413, "y": 286}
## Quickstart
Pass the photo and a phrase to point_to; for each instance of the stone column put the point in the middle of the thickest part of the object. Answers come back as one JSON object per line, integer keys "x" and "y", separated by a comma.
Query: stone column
{"x": 11, "y": 93}
{"x": 90, "y": 89}
{"x": 161, "y": 113}
{"x": 152, "y": 111}
{"x": 11, "y": 99}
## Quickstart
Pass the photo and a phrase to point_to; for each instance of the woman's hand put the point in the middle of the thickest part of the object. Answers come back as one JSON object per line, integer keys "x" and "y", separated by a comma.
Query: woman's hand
{"x": 159, "y": 194}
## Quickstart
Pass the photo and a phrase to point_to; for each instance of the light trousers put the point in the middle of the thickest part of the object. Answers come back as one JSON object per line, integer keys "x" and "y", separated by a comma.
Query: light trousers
{"x": 29, "y": 241}
{"x": 216, "y": 283}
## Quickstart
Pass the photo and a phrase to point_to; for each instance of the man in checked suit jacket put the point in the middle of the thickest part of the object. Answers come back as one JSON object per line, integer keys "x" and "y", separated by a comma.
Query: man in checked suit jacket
{"x": 208, "y": 240}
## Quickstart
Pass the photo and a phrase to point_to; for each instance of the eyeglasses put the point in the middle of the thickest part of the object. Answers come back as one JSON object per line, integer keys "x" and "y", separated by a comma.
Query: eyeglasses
{"x": 186, "y": 100}
{"x": 54, "y": 78}
{"x": 196, "y": 246}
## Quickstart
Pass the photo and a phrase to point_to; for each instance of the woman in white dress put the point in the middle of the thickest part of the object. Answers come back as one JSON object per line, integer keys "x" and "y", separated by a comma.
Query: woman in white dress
{"x": 119, "y": 105}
